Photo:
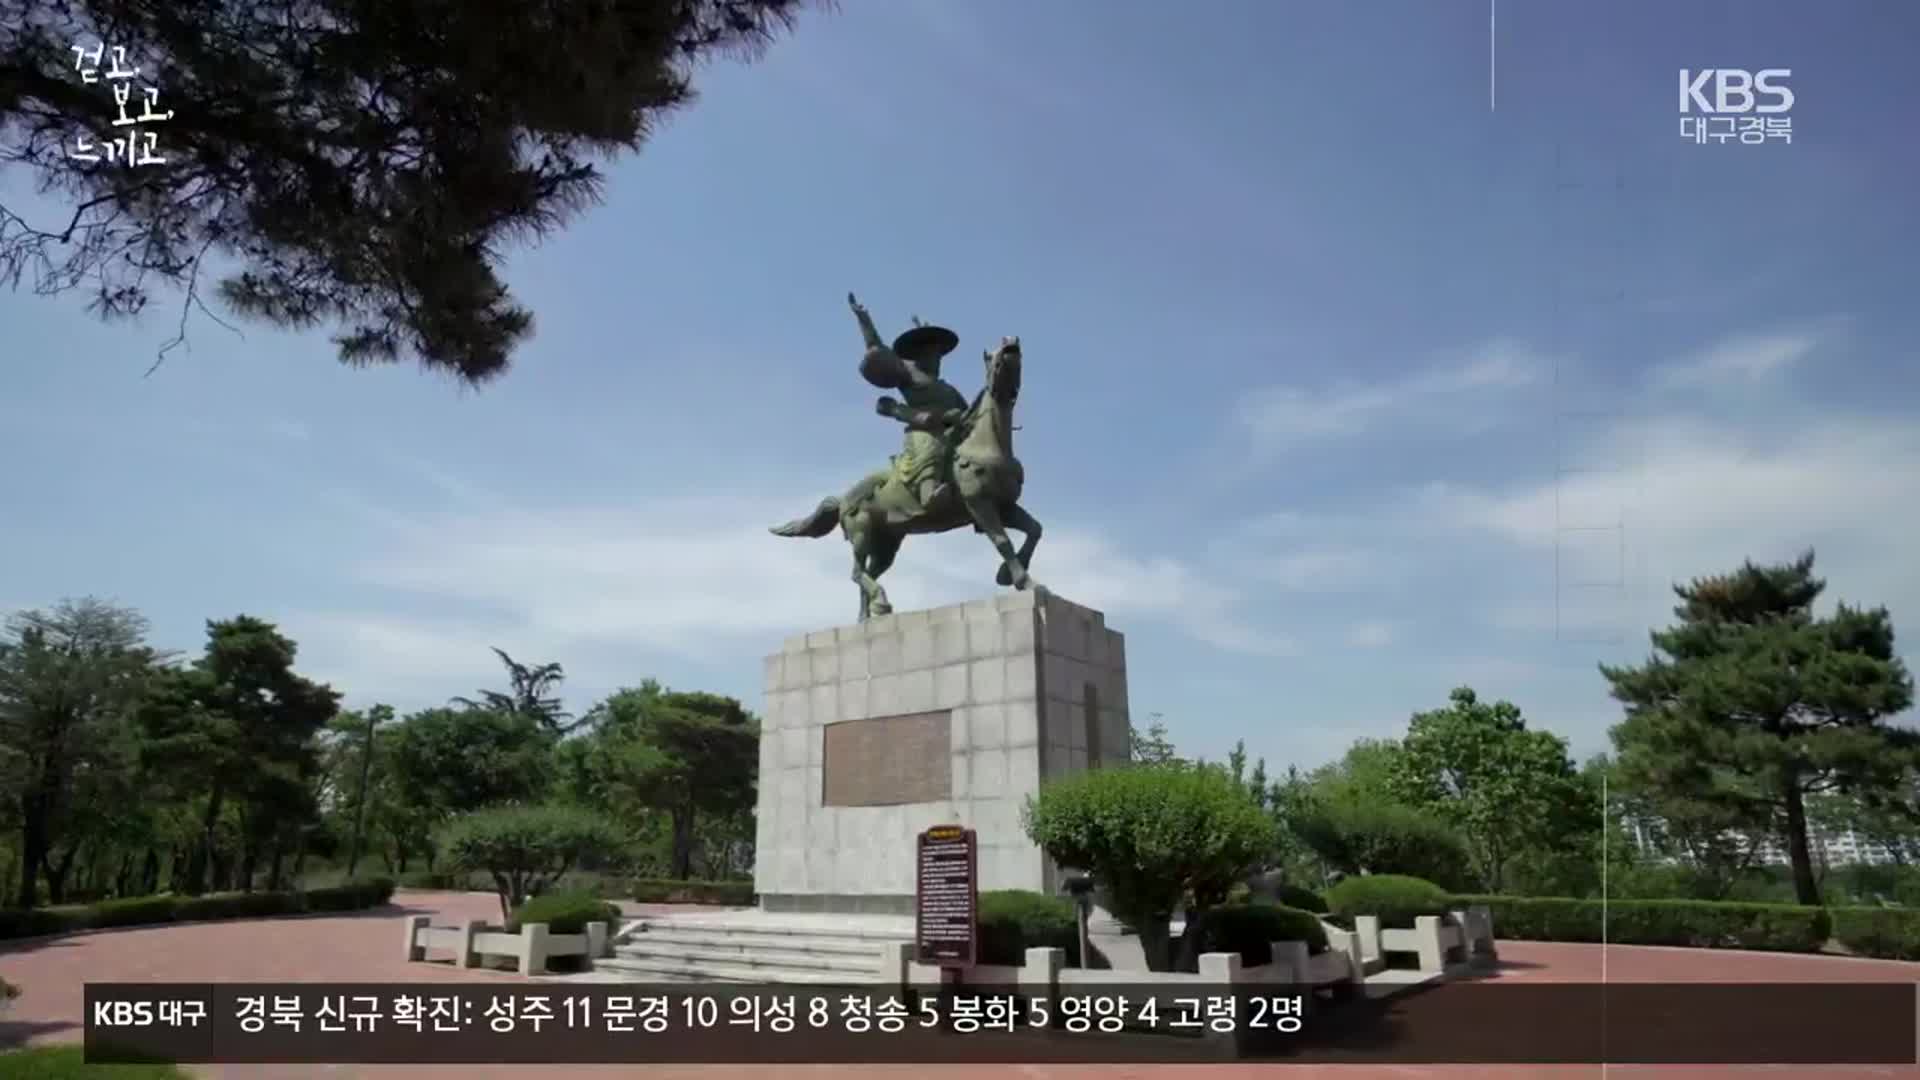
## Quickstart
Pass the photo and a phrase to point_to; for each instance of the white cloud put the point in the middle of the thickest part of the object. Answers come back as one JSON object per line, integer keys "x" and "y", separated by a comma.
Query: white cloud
{"x": 1707, "y": 496}
{"x": 1278, "y": 416}
{"x": 1743, "y": 359}
{"x": 694, "y": 577}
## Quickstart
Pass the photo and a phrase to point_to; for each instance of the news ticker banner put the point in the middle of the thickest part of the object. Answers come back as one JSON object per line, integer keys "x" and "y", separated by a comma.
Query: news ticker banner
{"x": 609, "y": 1023}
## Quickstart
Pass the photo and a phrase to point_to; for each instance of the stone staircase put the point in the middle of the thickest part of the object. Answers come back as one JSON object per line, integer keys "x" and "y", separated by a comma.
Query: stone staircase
{"x": 738, "y": 947}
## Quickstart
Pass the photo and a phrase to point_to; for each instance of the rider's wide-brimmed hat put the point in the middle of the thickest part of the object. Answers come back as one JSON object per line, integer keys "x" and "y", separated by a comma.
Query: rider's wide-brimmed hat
{"x": 921, "y": 340}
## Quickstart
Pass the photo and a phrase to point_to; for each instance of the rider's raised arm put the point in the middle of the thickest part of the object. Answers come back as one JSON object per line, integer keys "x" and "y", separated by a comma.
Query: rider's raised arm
{"x": 880, "y": 366}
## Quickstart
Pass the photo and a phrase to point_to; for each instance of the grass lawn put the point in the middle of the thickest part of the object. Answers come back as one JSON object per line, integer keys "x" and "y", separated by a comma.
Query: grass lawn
{"x": 68, "y": 1063}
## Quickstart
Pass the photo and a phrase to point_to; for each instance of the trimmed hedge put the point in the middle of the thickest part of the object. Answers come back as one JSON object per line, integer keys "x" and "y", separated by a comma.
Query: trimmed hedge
{"x": 1888, "y": 933}
{"x": 1011, "y": 921}
{"x": 1396, "y": 899}
{"x": 1300, "y": 899}
{"x": 666, "y": 891}
{"x": 565, "y": 913}
{"x": 158, "y": 910}
{"x": 135, "y": 911}
{"x": 1700, "y": 924}
{"x": 1251, "y": 930}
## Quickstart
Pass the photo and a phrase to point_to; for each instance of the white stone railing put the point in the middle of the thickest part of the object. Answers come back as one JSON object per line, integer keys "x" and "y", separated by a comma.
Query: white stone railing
{"x": 1463, "y": 937}
{"x": 1045, "y": 970}
{"x": 531, "y": 948}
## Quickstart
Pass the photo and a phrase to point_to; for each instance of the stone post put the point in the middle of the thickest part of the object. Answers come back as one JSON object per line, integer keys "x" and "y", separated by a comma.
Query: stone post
{"x": 1040, "y": 977}
{"x": 1367, "y": 929}
{"x": 1290, "y": 962}
{"x": 1433, "y": 953}
{"x": 416, "y": 948}
{"x": 470, "y": 956}
{"x": 533, "y": 948}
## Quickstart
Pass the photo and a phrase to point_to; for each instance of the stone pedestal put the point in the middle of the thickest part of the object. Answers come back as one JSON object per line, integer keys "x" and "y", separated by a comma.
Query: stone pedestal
{"x": 876, "y": 731}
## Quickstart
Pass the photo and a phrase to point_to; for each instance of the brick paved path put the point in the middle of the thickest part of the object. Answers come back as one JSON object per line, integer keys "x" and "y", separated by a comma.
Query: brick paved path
{"x": 365, "y": 947}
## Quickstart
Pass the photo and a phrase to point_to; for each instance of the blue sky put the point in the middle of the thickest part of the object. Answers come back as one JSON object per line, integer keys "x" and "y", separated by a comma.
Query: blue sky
{"x": 1315, "y": 340}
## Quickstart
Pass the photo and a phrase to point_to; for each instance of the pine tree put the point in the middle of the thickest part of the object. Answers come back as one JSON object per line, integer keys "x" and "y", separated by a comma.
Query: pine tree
{"x": 363, "y": 162}
{"x": 1750, "y": 704}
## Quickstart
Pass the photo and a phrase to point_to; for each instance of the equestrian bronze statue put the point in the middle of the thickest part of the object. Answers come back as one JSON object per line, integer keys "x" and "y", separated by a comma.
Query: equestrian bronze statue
{"x": 956, "y": 467}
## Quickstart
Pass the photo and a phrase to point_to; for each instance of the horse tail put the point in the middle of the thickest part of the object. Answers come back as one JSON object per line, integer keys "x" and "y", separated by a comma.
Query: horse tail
{"x": 814, "y": 525}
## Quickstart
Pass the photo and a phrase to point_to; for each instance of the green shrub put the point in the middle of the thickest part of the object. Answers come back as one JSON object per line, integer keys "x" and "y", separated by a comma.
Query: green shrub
{"x": 38, "y": 922}
{"x": 152, "y": 910}
{"x": 235, "y": 906}
{"x": 1251, "y": 930}
{"x": 1888, "y": 933}
{"x": 1154, "y": 837}
{"x": 351, "y": 895}
{"x": 1011, "y": 921}
{"x": 524, "y": 849}
{"x": 565, "y": 913}
{"x": 1397, "y": 900}
{"x": 70, "y": 1063}
{"x": 1376, "y": 839}
{"x": 1700, "y": 924}
{"x": 1300, "y": 899}
{"x": 137, "y": 911}
{"x": 667, "y": 891}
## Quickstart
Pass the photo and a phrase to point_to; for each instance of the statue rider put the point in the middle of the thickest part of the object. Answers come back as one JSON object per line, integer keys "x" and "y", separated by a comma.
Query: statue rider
{"x": 932, "y": 406}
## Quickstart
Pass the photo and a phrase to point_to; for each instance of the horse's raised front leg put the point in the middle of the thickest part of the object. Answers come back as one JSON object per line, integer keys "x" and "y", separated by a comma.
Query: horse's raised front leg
{"x": 1020, "y": 521}
{"x": 986, "y": 517}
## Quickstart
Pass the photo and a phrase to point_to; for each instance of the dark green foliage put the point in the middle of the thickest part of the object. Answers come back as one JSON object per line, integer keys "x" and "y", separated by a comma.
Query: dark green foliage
{"x": 70, "y": 1063}
{"x": 39, "y": 922}
{"x": 685, "y": 755}
{"x": 333, "y": 898}
{"x": 1355, "y": 838}
{"x": 524, "y": 849}
{"x": 1504, "y": 790}
{"x": 153, "y": 910}
{"x": 1888, "y": 933}
{"x": 452, "y": 761}
{"x": 365, "y": 165}
{"x": 1396, "y": 899}
{"x": 565, "y": 913}
{"x": 1251, "y": 930}
{"x": 1541, "y": 918}
{"x": 532, "y": 694}
{"x": 1751, "y": 706}
{"x": 1300, "y": 899}
{"x": 720, "y": 893}
{"x": 215, "y": 906}
{"x": 237, "y": 727}
{"x": 1011, "y": 921}
{"x": 1155, "y": 838}
{"x": 1701, "y": 924}
{"x": 139, "y": 911}
{"x": 68, "y": 754}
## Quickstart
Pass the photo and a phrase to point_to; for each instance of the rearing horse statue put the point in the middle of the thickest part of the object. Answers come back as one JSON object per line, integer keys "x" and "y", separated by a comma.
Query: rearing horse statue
{"x": 958, "y": 469}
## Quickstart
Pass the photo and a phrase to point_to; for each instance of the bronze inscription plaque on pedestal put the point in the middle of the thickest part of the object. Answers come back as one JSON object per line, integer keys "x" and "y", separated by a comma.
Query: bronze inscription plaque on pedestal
{"x": 887, "y": 760}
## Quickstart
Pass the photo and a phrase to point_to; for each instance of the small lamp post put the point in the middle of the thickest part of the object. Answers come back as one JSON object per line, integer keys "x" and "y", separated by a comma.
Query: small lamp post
{"x": 1080, "y": 887}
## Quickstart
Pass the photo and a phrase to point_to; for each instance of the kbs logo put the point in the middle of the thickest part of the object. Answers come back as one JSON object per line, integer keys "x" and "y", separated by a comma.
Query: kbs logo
{"x": 1734, "y": 91}
{"x": 1729, "y": 104}
{"x": 123, "y": 1014}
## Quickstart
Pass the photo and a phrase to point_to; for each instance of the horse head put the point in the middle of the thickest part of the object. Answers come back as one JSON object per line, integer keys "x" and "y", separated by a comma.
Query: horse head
{"x": 1003, "y": 371}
